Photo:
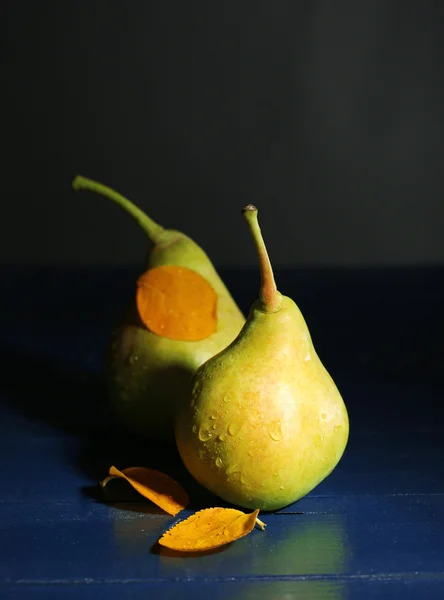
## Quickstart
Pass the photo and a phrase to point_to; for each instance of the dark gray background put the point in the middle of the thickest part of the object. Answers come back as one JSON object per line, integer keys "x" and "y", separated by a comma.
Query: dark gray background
{"x": 326, "y": 114}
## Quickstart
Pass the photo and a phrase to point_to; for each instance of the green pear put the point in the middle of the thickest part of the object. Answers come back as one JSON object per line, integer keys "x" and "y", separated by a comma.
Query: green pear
{"x": 264, "y": 423}
{"x": 147, "y": 374}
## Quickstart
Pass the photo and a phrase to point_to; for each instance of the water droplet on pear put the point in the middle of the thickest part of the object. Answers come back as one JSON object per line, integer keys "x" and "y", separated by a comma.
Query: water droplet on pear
{"x": 233, "y": 428}
{"x": 275, "y": 431}
{"x": 205, "y": 434}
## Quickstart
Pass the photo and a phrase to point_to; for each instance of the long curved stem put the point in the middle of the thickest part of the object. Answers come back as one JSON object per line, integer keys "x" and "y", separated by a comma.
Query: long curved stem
{"x": 151, "y": 228}
{"x": 269, "y": 295}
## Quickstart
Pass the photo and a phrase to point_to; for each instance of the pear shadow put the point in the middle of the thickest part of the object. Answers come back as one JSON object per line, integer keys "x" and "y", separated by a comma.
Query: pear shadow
{"x": 45, "y": 390}
{"x": 70, "y": 401}
{"x": 74, "y": 402}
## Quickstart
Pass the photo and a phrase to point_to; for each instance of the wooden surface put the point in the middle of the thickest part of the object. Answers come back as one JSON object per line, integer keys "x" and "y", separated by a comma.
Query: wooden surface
{"x": 373, "y": 529}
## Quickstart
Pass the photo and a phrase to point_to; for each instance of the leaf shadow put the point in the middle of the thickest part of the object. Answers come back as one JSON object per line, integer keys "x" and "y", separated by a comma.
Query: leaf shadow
{"x": 140, "y": 507}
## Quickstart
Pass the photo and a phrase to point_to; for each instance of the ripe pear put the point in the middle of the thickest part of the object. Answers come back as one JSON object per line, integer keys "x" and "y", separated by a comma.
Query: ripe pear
{"x": 146, "y": 374}
{"x": 265, "y": 423}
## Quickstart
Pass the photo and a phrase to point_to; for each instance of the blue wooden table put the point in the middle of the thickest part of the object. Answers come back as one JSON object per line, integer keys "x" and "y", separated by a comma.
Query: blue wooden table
{"x": 373, "y": 529}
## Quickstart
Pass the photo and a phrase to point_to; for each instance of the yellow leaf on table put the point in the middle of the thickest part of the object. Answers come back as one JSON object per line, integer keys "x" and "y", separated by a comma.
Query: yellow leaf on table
{"x": 210, "y": 528}
{"x": 176, "y": 302}
{"x": 154, "y": 485}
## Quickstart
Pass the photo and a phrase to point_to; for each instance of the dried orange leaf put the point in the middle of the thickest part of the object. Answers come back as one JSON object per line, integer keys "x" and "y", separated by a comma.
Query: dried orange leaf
{"x": 154, "y": 485}
{"x": 210, "y": 528}
{"x": 177, "y": 303}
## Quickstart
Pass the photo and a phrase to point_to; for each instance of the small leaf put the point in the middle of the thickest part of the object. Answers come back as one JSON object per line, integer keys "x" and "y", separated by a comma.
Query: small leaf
{"x": 177, "y": 303}
{"x": 154, "y": 485}
{"x": 210, "y": 528}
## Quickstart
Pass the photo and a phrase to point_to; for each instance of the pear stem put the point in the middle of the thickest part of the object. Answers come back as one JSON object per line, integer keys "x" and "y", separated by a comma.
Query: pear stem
{"x": 151, "y": 228}
{"x": 269, "y": 295}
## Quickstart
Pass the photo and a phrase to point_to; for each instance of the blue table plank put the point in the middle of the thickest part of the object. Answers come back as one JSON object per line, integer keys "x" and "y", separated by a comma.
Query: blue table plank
{"x": 362, "y": 589}
{"x": 374, "y": 528}
{"x": 338, "y": 536}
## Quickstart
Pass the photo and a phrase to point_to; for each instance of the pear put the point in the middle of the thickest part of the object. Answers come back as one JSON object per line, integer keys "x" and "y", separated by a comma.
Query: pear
{"x": 147, "y": 374}
{"x": 265, "y": 422}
